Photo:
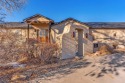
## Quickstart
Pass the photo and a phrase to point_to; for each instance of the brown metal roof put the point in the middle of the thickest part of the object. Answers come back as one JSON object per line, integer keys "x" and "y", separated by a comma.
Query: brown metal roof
{"x": 106, "y": 25}
{"x": 14, "y": 25}
{"x": 99, "y": 25}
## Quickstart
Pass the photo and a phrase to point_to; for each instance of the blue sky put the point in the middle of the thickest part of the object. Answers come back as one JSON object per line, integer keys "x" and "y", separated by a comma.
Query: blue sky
{"x": 83, "y": 10}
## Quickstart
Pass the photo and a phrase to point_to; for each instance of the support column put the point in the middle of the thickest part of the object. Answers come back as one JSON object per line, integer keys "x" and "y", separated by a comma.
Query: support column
{"x": 80, "y": 43}
{"x": 49, "y": 33}
{"x": 37, "y": 33}
{"x": 28, "y": 33}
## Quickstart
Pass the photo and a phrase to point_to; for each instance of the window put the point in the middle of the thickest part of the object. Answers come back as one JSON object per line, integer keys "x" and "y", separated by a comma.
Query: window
{"x": 42, "y": 33}
{"x": 73, "y": 34}
{"x": 114, "y": 35}
{"x": 96, "y": 45}
{"x": 86, "y": 35}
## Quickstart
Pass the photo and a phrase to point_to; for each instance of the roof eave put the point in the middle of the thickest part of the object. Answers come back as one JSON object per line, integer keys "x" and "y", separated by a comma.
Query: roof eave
{"x": 25, "y": 20}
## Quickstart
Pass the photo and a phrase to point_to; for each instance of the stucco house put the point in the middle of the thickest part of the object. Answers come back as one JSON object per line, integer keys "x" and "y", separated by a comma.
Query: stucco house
{"x": 74, "y": 37}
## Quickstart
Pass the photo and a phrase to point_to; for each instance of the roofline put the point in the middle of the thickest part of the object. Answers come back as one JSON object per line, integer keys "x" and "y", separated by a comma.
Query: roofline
{"x": 3, "y": 25}
{"x": 15, "y": 28}
{"x": 35, "y": 16}
{"x": 70, "y": 19}
{"x": 105, "y": 28}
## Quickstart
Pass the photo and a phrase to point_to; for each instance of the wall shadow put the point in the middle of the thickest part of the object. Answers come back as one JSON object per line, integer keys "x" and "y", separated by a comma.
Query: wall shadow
{"x": 109, "y": 64}
{"x": 62, "y": 68}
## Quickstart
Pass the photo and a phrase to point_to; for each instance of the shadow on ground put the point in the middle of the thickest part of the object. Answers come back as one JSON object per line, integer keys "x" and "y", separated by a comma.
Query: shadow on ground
{"x": 110, "y": 64}
{"x": 95, "y": 67}
{"x": 47, "y": 72}
{"x": 64, "y": 69}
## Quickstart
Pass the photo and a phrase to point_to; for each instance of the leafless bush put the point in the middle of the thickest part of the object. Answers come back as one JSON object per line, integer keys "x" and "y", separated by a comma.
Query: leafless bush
{"x": 43, "y": 53}
{"x": 49, "y": 53}
{"x": 10, "y": 45}
{"x": 13, "y": 48}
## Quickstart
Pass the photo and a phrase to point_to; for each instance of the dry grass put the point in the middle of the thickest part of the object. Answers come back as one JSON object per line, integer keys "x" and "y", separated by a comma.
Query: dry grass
{"x": 34, "y": 55}
{"x": 103, "y": 50}
{"x": 31, "y": 72}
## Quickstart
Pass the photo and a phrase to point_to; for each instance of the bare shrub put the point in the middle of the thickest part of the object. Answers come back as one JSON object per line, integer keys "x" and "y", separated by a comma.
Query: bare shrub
{"x": 44, "y": 53}
{"x": 14, "y": 48}
{"x": 115, "y": 44}
{"x": 104, "y": 50}
{"x": 49, "y": 53}
{"x": 10, "y": 45}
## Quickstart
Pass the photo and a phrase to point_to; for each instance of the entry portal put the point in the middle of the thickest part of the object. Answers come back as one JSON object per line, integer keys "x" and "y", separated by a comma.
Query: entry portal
{"x": 70, "y": 47}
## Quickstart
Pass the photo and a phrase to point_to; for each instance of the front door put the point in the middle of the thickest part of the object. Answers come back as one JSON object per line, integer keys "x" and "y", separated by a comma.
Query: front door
{"x": 43, "y": 34}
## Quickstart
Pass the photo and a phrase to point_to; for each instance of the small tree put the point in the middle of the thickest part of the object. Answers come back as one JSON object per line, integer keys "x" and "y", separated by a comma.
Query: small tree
{"x": 9, "y": 6}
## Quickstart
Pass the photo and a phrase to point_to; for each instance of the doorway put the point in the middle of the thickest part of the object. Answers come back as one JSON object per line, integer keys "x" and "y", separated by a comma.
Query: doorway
{"x": 43, "y": 35}
{"x": 72, "y": 44}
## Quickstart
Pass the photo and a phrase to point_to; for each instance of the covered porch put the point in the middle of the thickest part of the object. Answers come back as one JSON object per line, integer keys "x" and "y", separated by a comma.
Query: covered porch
{"x": 41, "y": 26}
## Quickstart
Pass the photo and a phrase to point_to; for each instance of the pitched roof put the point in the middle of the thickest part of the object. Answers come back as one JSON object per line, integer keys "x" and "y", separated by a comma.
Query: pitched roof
{"x": 13, "y": 25}
{"x": 106, "y": 25}
{"x": 69, "y": 19}
{"x": 37, "y": 15}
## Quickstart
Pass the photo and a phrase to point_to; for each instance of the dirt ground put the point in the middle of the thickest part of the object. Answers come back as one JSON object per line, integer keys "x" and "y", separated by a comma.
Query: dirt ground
{"x": 104, "y": 69}
{"x": 90, "y": 69}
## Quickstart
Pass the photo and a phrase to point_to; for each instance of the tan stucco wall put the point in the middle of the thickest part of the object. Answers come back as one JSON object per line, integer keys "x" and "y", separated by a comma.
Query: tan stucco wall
{"x": 32, "y": 33}
{"x": 109, "y": 36}
{"x": 67, "y": 28}
{"x": 62, "y": 34}
{"x": 23, "y": 32}
{"x": 88, "y": 42}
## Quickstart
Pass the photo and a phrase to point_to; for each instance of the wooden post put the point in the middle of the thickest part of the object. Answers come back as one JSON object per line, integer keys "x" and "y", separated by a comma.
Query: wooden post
{"x": 37, "y": 32}
{"x": 28, "y": 38}
{"x": 49, "y": 32}
{"x": 28, "y": 33}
